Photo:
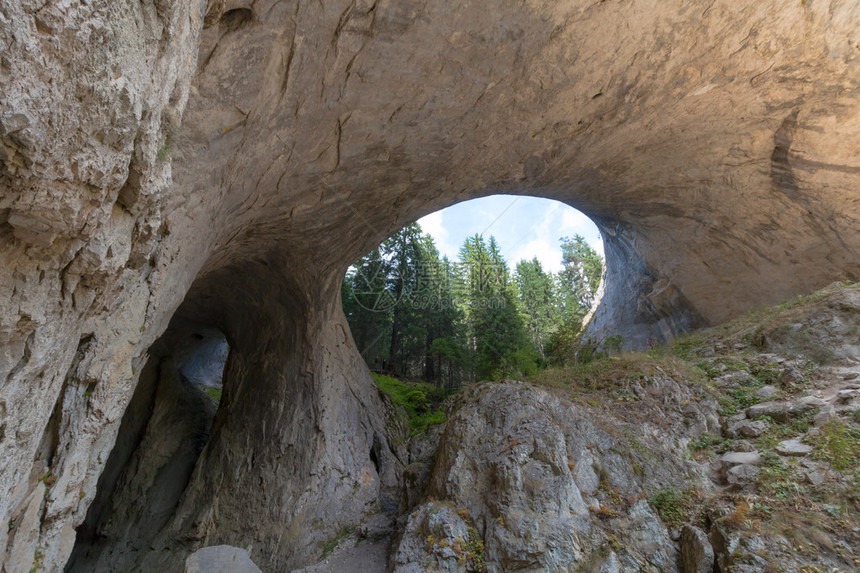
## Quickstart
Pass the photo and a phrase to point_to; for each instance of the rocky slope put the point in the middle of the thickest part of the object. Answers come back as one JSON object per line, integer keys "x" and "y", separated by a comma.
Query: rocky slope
{"x": 171, "y": 166}
{"x": 736, "y": 449}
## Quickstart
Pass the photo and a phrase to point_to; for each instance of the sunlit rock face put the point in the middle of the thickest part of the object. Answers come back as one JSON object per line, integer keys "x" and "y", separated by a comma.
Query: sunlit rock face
{"x": 716, "y": 145}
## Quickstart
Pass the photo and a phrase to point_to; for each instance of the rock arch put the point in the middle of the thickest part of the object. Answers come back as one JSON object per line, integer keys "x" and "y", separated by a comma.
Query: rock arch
{"x": 715, "y": 144}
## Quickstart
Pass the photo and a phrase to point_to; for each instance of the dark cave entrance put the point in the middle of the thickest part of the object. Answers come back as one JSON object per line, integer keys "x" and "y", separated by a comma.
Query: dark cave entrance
{"x": 162, "y": 434}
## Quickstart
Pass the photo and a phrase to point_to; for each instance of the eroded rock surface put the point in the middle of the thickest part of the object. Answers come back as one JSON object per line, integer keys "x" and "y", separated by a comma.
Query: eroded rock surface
{"x": 90, "y": 93}
{"x": 527, "y": 481}
{"x": 715, "y": 145}
{"x": 220, "y": 559}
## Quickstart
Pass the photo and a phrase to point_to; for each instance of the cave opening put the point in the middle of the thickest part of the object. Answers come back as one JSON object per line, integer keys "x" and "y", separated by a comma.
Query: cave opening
{"x": 163, "y": 432}
{"x": 281, "y": 443}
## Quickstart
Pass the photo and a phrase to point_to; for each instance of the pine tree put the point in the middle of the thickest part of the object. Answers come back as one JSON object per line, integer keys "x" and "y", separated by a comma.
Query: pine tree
{"x": 577, "y": 283}
{"x": 416, "y": 315}
{"x": 540, "y": 308}
{"x": 580, "y": 277}
{"x": 367, "y": 303}
{"x": 404, "y": 252}
{"x": 496, "y": 328}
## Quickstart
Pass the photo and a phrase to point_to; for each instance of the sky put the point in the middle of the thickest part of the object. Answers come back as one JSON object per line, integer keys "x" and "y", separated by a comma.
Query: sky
{"x": 525, "y": 227}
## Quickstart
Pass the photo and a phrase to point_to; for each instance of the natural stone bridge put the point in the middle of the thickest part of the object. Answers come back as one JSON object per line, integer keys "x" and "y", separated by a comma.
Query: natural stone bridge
{"x": 171, "y": 167}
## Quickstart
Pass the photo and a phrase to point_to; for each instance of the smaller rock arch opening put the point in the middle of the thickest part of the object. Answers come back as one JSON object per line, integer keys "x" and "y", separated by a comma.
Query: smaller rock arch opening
{"x": 297, "y": 441}
{"x": 163, "y": 432}
{"x": 201, "y": 361}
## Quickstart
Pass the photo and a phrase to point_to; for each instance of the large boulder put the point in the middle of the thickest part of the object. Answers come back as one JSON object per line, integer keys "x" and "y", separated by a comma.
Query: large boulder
{"x": 539, "y": 483}
{"x": 220, "y": 559}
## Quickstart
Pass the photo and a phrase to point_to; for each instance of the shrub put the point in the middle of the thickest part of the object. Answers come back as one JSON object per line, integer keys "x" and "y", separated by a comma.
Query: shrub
{"x": 672, "y": 506}
{"x": 413, "y": 398}
{"x": 613, "y": 344}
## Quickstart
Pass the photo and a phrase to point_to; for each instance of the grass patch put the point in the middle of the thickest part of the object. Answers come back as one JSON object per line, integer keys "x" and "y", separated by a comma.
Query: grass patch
{"x": 686, "y": 346}
{"x": 738, "y": 399}
{"x": 608, "y": 373}
{"x": 421, "y": 422}
{"x": 839, "y": 444}
{"x": 710, "y": 442}
{"x": 779, "y": 479}
{"x": 419, "y": 399}
{"x": 672, "y": 506}
{"x": 214, "y": 393}
{"x": 332, "y": 543}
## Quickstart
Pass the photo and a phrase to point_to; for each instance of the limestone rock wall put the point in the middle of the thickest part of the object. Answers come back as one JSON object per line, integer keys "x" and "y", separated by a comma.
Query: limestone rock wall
{"x": 90, "y": 95}
{"x": 715, "y": 143}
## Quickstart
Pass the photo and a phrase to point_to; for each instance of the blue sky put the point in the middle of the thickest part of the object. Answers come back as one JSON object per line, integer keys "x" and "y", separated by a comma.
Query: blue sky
{"x": 525, "y": 227}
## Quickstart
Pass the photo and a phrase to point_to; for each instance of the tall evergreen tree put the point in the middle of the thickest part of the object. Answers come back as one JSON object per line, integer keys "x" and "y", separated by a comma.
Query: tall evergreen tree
{"x": 367, "y": 303}
{"x": 540, "y": 308}
{"x": 496, "y": 328}
{"x": 578, "y": 283}
{"x": 419, "y": 315}
{"x": 404, "y": 251}
{"x": 583, "y": 267}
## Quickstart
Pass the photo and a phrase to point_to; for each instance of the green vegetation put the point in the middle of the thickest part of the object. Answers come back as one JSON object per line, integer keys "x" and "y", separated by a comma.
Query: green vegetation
{"x": 469, "y": 551}
{"x": 839, "y": 444}
{"x": 613, "y": 343}
{"x": 38, "y": 555}
{"x": 473, "y": 551}
{"x": 742, "y": 395}
{"x": 332, "y": 543}
{"x": 778, "y": 478}
{"x": 672, "y": 506}
{"x": 605, "y": 373}
{"x": 708, "y": 442}
{"x": 170, "y": 126}
{"x": 419, "y": 400}
{"x": 214, "y": 393}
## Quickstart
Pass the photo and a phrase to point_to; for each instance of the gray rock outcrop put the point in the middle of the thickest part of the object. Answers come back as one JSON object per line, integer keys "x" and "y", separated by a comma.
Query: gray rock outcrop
{"x": 538, "y": 483}
{"x": 697, "y": 555}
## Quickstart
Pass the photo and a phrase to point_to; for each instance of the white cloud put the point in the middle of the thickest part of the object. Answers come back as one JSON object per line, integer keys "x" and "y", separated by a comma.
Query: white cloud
{"x": 433, "y": 225}
{"x": 573, "y": 222}
{"x": 546, "y": 251}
